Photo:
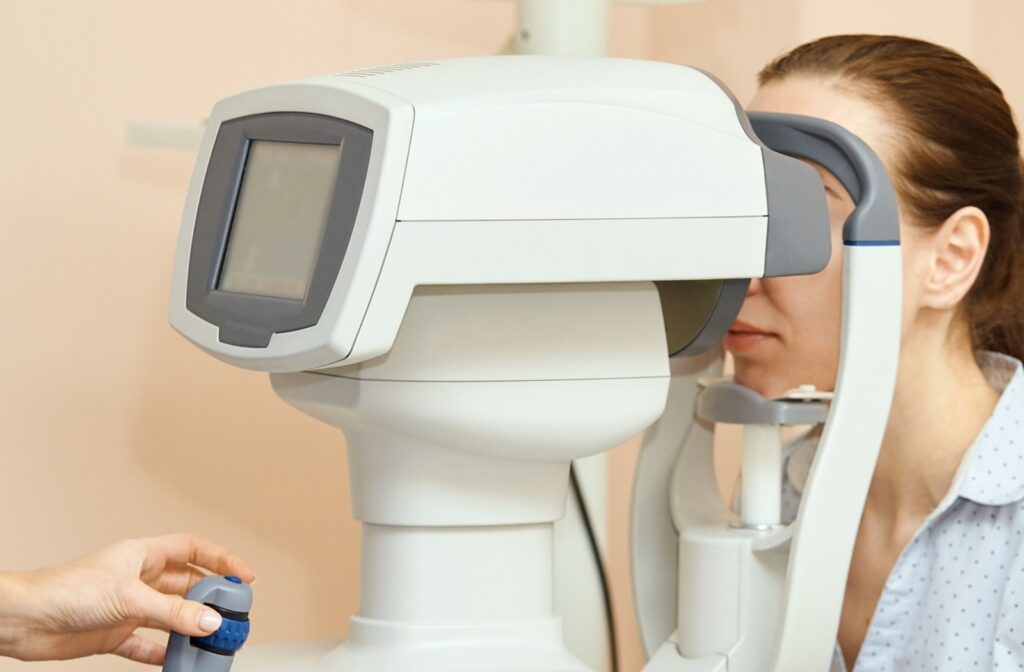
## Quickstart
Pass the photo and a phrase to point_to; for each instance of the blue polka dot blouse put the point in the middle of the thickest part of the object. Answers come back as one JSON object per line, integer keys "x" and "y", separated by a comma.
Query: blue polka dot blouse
{"x": 954, "y": 600}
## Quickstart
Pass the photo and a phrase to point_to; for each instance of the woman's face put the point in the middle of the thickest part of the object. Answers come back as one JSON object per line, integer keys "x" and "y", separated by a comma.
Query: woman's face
{"x": 787, "y": 332}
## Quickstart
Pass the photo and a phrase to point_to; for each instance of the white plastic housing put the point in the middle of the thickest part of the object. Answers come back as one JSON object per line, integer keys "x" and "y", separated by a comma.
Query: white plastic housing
{"x": 459, "y": 445}
{"x": 514, "y": 170}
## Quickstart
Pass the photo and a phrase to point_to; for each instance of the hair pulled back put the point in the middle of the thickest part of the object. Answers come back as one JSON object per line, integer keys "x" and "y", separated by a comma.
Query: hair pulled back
{"x": 956, "y": 145}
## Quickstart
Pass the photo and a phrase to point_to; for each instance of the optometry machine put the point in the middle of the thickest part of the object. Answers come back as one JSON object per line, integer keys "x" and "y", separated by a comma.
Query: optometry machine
{"x": 482, "y": 269}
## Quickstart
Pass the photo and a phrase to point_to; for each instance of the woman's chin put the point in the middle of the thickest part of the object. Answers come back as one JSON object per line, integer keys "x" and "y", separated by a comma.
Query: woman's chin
{"x": 766, "y": 381}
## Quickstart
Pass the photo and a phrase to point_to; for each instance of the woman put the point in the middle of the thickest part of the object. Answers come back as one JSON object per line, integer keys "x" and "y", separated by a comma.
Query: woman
{"x": 94, "y": 605}
{"x": 937, "y": 575}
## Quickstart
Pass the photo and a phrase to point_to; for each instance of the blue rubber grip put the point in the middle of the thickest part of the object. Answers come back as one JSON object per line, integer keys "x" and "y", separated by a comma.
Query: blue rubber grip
{"x": 230, "y": 636}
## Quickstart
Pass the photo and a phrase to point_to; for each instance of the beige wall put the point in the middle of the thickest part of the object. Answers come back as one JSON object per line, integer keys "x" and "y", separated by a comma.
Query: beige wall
{"x": 113, "y": 425}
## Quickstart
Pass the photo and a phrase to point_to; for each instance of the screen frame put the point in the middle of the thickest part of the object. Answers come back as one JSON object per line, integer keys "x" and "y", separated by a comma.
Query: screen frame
{"x": 249, "y": 320}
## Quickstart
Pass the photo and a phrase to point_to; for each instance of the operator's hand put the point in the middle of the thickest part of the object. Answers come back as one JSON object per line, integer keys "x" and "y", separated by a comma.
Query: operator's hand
{"x": 95, "y": 604}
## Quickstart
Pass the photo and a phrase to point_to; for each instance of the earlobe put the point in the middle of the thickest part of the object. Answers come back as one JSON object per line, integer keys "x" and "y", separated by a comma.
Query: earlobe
{"x": 958, "y": 250}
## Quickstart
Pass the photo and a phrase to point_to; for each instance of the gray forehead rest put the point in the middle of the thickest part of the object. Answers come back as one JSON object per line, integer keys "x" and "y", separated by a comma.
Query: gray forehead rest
{"x": 799, "y": 236}
{"x": 735, "y": 404}
{"x": 855, "y": 165}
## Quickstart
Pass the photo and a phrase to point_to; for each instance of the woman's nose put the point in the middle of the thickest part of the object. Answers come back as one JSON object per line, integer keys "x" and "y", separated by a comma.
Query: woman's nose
{"x": 755, "y": 287}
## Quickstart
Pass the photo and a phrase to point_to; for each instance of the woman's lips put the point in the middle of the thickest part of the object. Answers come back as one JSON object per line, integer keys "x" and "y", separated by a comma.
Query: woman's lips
{"x": 743, "y": 337}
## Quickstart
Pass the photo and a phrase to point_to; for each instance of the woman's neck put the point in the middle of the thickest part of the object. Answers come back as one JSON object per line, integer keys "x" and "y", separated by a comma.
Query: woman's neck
{"x": 942, "y": 401}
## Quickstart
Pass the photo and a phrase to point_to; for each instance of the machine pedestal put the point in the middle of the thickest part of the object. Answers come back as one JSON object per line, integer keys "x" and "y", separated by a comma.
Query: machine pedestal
{"x": 445, "y": 599}
{"x": 459, "y": 448}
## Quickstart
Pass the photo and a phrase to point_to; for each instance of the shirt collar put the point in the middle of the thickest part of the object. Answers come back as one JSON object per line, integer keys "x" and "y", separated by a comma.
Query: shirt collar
{"x": 992, "y": 471}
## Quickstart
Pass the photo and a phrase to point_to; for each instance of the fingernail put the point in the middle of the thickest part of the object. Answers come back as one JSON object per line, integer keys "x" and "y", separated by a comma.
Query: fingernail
{"x": 210, "y": 620}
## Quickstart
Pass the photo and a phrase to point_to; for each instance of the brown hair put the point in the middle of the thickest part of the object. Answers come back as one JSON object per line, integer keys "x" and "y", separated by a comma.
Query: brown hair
{"x": 956, "y": 146}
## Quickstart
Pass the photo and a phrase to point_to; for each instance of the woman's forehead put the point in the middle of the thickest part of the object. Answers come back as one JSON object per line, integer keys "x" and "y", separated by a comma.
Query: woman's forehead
{"x": 816, "y": 97}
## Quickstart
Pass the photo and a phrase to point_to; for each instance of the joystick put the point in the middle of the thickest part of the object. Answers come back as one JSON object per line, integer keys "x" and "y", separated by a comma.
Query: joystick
{"x": 232, "y": 599}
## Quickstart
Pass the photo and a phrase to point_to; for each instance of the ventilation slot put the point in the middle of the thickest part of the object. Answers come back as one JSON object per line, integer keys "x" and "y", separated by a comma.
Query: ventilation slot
{"x": 383, "y": 70}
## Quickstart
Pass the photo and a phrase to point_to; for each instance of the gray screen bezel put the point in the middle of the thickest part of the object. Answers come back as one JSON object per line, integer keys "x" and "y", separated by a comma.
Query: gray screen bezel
{"x": 249, "y": 320}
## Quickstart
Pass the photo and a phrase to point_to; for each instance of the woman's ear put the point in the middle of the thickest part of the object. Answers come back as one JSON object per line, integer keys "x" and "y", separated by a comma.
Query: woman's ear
{"x": 958, "y": 250}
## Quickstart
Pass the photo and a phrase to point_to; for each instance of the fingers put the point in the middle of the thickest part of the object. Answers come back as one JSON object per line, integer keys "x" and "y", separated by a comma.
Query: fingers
{"x": 141, "y": 650}
{"x": 170, "y": 612}
{"x": 189, "y": 548}
{"x": 177, "y": 580}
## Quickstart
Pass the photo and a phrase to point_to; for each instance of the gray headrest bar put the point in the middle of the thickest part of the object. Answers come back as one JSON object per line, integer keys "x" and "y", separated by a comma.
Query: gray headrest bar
{"x": 855, "y": 165}
{"x": 735, "y": 404}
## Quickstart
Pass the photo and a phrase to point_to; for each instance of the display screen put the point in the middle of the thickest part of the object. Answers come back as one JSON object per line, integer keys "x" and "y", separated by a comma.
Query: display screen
{"x": 280, "y": 214}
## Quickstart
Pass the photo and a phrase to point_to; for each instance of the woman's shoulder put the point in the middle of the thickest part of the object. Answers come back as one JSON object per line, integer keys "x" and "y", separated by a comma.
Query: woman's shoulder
{"x": 992, "y": 471}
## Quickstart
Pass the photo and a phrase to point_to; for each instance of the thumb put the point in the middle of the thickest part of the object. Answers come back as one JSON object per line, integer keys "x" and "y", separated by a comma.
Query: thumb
{"x": 174, "y": 612}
